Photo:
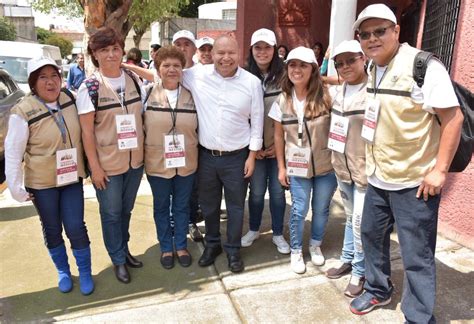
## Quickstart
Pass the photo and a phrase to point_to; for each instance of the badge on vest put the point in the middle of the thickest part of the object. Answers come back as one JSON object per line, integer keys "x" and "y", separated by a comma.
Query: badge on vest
{"x": 175, "y": 155}
{"x": 126, "y": 132}
{"x": 338, "y": 133}
{"x": 297, "y": 161}
{"x": 371, "y": 116}
{"x": 66, "y": 167}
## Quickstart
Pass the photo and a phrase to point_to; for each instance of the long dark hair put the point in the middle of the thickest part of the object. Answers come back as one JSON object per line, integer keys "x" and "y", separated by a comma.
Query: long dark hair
{"x": 275, "y": 70}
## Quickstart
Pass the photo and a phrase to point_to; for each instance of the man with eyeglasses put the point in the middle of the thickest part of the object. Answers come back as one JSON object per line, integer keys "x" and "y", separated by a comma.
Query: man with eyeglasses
{"x": 408, "y": 153}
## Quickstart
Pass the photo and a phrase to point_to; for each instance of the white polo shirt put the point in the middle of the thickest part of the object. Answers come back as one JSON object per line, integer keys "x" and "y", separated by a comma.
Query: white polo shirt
{"x": 230, "y": 110}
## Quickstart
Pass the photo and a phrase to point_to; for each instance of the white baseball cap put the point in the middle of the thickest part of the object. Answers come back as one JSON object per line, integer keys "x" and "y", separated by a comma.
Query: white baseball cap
{"x": 263, "y": 35}
{"x": 378, "y": 10}
{"x": 37, "y": 63}
{"x": 303, "y": 54}
{"x": 347, "y": 46}
{"x": 184, "y": 34}
{"x": 204, "y": 41}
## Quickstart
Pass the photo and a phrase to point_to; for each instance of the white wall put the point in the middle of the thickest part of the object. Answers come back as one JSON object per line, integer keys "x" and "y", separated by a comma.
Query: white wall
{"x": 214, "y": 10}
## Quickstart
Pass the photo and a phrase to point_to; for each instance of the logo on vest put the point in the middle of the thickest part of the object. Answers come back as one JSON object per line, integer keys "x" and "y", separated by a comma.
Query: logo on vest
{"x": 105, "y": 99}
{"x": 32, "y": 112}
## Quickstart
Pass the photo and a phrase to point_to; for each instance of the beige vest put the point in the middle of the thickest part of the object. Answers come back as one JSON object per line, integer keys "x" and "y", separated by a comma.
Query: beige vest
{"x": 158, "y": 123}
{"x": 318, "y": 130}
{"x": 45, "y": 139}
{"x": 269, "y": 96}
{"x": 112, "y": 160}
{"x": 407, "y": 137}
{"x": 350, "y": 165}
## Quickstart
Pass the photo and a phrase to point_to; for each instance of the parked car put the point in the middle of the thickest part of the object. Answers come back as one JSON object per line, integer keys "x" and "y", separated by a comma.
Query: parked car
{"x": 15, "y": 55}
{"x": 10, "y": 94}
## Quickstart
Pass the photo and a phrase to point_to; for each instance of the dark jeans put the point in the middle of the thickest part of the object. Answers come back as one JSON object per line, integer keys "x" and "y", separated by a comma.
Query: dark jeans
{"x": 416, "y": 222}
{"x": 194, "y": 203}
{"x": 116, "y": 203}
{"x": 62, "y": 206}
{"x": 266, "y": 176}
{"x": 180, "y": 188}
{"x": 215, "y": 172}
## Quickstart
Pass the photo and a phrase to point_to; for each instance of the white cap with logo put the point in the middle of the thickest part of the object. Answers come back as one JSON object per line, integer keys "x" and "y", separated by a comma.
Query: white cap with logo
{"x": 263, "y": 35}
{"x": 38, "y": 62}
{"x": 204, "y": 41}
{"x": 347, "y": 46}
{"x": 184, "y": 34}
{"x": 303, "y": 54}
{"x": 378, "y": 10}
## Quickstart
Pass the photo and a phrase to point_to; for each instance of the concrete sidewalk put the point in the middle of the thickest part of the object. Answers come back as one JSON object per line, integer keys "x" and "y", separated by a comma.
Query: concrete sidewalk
{"x": 266, "y": 292}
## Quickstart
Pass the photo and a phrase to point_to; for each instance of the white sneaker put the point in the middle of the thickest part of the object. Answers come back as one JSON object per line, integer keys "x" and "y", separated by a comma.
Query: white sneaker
{"x": 317, "y": 257}
{"x": 297, "y": 263}
{"x": 281, "y": 244}
{"x": 248, "y": 238}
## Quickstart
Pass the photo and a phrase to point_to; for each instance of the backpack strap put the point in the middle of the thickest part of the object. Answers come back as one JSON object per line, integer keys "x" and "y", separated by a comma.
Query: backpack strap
{"x": 420, "y": 64}
{"x": 92, "y": 85}
{"x": 69, "y": 94}
{"x": 134, "y": 78}
{"x": 148, "y": 93}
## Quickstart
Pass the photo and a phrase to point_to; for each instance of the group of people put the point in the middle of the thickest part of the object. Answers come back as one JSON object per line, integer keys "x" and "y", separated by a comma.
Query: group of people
{"x": 216, "y": 128}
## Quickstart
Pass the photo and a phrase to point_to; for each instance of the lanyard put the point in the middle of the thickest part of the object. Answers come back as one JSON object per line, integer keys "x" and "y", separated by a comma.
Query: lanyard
{"x": 174, "y": 114}
{"x": 383, "y": 75}
{"x": 120, "y": 98}
{"x": 59, "y": 120}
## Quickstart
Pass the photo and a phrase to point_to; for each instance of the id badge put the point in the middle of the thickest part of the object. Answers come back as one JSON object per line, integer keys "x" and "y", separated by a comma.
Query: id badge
{"x": 175, "y": 155}
{"x": 66, "y": 166}
{"x": 371, "y": 116}
{"x": 338, "y": 133}
{"x": 298, "y": 160}
{"x": 126, "y": 132}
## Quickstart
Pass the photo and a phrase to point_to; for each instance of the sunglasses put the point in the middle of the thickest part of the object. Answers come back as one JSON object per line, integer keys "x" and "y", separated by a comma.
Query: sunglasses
{"x": 349, "y": 62}
{"x": 379, "y": 32}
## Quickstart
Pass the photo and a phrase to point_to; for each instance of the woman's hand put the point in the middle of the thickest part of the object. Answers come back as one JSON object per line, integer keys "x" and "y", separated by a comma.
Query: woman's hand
{"x": 99, "y": 178}
{"x": 282, "y": 177}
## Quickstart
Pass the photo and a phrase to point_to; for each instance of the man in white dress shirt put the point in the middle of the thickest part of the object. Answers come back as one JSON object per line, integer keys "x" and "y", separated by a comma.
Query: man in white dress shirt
{"x": 230, "y": 108}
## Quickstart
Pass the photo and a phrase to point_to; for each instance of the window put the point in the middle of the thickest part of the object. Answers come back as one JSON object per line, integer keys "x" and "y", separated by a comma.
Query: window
{"x": 439, "y": 32}
{"x": 229, "y": 14}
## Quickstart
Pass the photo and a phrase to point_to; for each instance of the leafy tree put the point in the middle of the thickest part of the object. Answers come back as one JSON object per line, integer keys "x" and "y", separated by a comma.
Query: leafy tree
{"x": 65, "y": 46}
{"x": 7, "y": 30}
{"x": 43, "y": 34}
{"x": 191, "y": 10}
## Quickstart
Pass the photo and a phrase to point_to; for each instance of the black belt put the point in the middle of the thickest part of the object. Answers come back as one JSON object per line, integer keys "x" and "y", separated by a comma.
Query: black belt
{"x": 222, "y": 153}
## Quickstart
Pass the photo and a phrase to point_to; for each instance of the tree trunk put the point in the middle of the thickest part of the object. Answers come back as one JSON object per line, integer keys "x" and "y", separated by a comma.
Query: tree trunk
{"x": 137, "y": 38}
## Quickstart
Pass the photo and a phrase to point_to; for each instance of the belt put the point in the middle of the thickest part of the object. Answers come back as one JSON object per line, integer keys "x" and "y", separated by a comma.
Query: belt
{"x": 222, "y": 153}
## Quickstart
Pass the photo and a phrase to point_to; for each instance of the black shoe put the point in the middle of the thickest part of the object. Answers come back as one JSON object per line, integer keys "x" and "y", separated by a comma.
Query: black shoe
{"x": 366, "y": 303}
{"x": 121, "y": 272}
{"x": 199, "y": 217}
{"x": 132, "y": 262}
{"x": 209, "y": 255}
{"x": 195, "y": 233}
{"x": 185, "y": 260}
{"x": 235, "y": 262}
{"x": 167, "y": 261}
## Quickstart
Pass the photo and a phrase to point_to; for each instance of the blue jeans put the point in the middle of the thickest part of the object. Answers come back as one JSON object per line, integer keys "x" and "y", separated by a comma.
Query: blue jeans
{"x": 180, "y": 188}
{"x": 215, "y": 172}
{"x": 62, "y": 206}
{"x": 323, "y": 188}
{"x": 417, "y": 222}
{"x": 353, "y": 201}
{"x": 116, "y": 202}
{"x": 266, "y": 175}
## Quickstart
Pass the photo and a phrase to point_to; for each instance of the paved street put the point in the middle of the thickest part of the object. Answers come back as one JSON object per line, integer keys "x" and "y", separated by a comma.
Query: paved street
{"x": 267, "y": 292}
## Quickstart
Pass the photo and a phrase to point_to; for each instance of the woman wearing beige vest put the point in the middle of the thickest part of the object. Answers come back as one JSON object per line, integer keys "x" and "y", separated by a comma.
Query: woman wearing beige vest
{"x": 171, "y": 154}
{"x": 110, "y": 109}
{"x": 348, "y": 158}
{"x": 301, "y": 115}
{"x": 44, "y": 131}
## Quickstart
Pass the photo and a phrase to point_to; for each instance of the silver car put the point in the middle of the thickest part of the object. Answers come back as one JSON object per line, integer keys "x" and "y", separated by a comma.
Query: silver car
{"x": 10, "y": 94}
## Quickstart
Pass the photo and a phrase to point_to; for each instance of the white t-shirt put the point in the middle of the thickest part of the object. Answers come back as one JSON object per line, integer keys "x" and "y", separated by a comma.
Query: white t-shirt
{"x": 172, "y": 96}
{"x": 436, "y": 92}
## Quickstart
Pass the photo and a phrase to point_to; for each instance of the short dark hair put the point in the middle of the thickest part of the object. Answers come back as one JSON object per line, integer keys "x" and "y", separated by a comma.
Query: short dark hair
{"x": 103, "y": 37}
{"x": 169, "y": 51}
{"x": 34, "y": 76}
{"x": 134, "y": 55}
{"x": 155, "y": 47}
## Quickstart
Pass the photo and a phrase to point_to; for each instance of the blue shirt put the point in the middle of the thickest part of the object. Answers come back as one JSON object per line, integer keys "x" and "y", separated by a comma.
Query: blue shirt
{"x": 75, "y": 77}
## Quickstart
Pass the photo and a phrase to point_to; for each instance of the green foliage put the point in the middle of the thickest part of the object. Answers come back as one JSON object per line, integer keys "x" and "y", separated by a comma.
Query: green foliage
{"x": 43, "y": 34}
{"x": 191, "y": 9}
{"x": 65, "y": 46}
{"x": 7, "y": 30}
{"x": 69, "y": 8}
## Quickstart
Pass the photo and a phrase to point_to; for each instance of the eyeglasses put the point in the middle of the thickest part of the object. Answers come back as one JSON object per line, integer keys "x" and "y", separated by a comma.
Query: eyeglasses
{"x": 349, "y": 62}
{"x": 379, "y": 32}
